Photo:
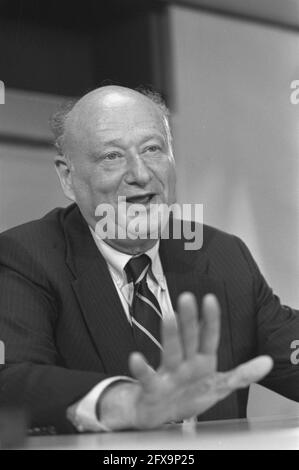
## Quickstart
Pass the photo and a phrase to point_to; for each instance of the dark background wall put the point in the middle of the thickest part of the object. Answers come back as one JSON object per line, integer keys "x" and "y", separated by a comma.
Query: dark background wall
{"x": 68, "y": 48}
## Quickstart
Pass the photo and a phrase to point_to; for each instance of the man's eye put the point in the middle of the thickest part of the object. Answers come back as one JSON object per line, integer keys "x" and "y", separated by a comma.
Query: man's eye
{"x": 153, "y": 148}
{"x": 112, "y": 156}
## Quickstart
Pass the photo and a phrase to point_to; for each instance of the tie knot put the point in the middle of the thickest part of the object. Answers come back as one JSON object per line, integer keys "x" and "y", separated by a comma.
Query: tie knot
{"x": 136, "y": 268}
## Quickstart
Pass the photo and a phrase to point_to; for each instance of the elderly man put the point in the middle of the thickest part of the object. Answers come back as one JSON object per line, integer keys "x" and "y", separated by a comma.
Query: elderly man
{"x": 121, "y": 332}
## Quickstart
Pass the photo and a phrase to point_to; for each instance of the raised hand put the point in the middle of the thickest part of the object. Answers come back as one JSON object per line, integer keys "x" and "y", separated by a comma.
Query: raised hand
{"x": 187, "y": 382}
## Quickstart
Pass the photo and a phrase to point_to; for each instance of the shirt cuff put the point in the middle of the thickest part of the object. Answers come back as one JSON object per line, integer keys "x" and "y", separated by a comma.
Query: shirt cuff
{"x": 82, "y": 414}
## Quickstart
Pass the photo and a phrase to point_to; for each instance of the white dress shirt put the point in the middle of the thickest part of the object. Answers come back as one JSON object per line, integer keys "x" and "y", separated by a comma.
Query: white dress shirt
{"x": 83, "y": 413}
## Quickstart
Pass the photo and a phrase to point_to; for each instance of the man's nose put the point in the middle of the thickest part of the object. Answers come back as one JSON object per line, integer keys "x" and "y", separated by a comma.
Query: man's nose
{"x": 137, "y": 170}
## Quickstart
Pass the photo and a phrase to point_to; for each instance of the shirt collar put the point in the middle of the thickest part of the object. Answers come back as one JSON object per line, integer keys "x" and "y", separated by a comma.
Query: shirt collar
{"x": 117, "y": 261}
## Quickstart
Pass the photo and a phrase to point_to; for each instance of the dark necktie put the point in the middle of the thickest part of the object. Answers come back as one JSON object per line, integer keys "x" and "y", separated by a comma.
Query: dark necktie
{"x": 145, "y": 311}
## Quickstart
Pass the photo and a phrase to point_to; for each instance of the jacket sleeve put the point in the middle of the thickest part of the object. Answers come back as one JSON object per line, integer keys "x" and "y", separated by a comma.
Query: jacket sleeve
{"x": 33, "y": 376}
{"x": 277, "y": 330}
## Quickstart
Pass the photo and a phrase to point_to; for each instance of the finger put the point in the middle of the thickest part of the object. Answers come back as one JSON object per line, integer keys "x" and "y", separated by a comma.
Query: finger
{"x": 250, "y": 372}
{"x": 140, "y": 369}
{"x": 210, "y": 325}
{"x": 188, "y": 324}
{"x": 172, "y": 354}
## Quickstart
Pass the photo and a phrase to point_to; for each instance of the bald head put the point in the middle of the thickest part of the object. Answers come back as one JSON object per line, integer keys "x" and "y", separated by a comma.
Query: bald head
{"x": 74, "y": 121}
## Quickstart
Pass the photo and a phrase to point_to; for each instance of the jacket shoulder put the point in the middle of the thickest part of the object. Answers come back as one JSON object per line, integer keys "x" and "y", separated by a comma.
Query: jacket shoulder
{"x": 41, "y": 232}
{"x": 213, "y": 236}
{"x": 229, "y": 256}
{"x": 38, "y": 245}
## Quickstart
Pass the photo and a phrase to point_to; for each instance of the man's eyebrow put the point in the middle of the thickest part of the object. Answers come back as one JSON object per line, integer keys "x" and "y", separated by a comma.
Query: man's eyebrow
{"x": 154, "y": 135}
{"x": 120, "y": 143}
{"x": 107, "y": 142}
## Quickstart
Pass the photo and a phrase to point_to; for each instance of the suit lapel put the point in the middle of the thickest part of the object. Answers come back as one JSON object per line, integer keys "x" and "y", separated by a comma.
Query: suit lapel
{"x": 97, "y": 296}
{"x": 182, "y": 269}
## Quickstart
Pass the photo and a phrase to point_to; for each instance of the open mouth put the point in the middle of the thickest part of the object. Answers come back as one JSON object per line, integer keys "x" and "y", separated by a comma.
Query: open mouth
{"x": 140, "y": 199}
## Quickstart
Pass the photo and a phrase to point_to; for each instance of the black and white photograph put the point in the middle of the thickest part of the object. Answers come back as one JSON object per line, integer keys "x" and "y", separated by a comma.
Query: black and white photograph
{"x": 149, "y": 227}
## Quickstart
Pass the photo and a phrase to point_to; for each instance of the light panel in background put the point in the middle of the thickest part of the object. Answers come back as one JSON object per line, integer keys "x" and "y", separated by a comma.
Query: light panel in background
{"x": 282, "y": 13}
{"x": 29, "y": 186}
{"x": 237, "y": 134}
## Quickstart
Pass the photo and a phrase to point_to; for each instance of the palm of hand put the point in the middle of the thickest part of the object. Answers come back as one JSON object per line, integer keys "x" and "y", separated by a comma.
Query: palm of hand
{"x": 187, "y": 382}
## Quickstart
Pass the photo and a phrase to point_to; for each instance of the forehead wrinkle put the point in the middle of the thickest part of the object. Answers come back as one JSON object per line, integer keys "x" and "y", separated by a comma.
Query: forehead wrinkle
{"x": 119, "y": 125}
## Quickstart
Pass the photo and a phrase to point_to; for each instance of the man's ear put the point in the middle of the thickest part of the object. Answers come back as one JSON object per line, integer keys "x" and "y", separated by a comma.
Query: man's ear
{"x": 62, "y": 167}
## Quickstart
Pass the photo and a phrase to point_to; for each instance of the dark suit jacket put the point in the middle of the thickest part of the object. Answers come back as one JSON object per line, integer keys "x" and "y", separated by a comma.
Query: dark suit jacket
{"x": 64, "y": 328}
